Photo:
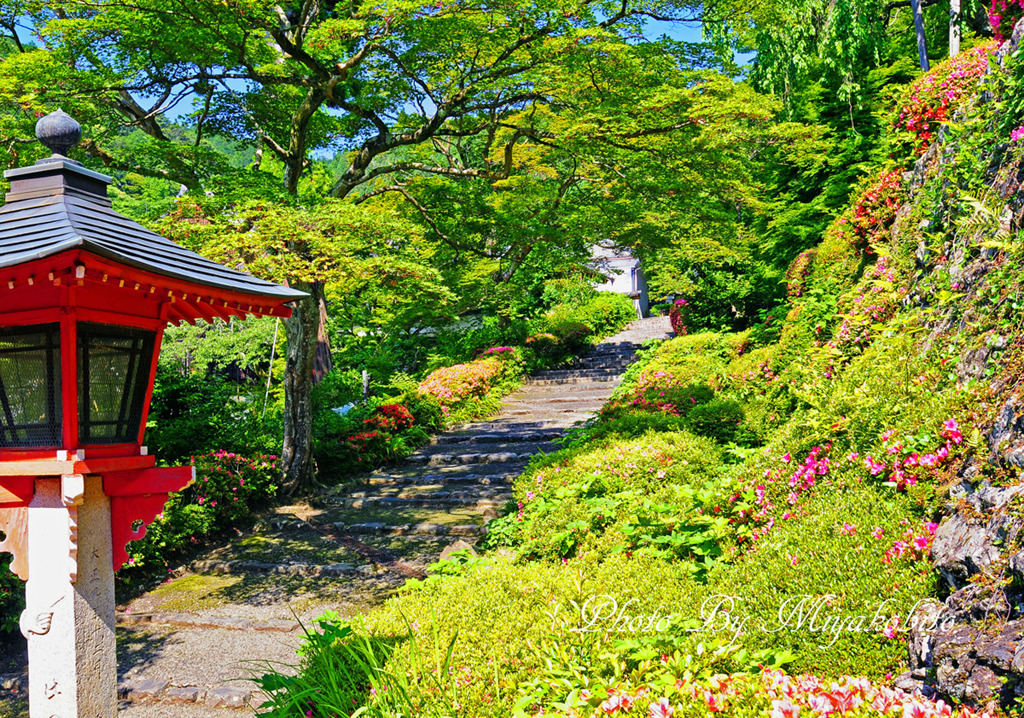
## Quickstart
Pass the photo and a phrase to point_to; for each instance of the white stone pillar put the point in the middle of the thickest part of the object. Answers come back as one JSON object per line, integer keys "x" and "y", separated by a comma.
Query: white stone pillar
{"x": 69, "y": 622}
{"x": 954, "y": 28}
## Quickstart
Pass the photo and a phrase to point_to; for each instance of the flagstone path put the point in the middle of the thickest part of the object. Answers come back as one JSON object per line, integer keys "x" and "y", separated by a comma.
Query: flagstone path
{"x": 185, "y": 647}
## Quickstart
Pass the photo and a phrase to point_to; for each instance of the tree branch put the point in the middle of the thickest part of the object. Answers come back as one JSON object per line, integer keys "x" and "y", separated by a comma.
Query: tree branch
{"x": 902, "y": 3}
{"x": 94, "y": 150}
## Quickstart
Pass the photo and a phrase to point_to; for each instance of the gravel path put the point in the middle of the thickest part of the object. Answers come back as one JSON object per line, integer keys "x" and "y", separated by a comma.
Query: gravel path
{"x": 186, "y": 647}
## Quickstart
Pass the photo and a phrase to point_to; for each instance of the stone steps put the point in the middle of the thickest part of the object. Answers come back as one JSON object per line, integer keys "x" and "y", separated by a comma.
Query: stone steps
{"x": 499, "y": 424}
{"x": 540, "y": 409}
{"x": 464, "y": 480}
{"x": 161, "y": 692}
{"x": 375, "y": 528}
{"x": 577, "y": 373}
{"x": 538, "y": 437}
{"x": 556, "y": 400}
{"x": 465, "y": 490}
{"x": 574, "y": 380}
{"x": 446, "y": 502}
{"x": 467, "y": 459}
{"x": 436, "y": 490}
{"x": 617, "y": 361}
{"x": 333, "y": 570}
{"x": 489, "y": 453}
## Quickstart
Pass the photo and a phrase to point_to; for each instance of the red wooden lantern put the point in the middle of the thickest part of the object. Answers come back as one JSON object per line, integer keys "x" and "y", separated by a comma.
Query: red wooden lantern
{"x": 85, "y": 295}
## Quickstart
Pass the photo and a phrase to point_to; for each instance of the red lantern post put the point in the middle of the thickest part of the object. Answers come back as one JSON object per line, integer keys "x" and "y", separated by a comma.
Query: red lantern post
{"x": 85, "y": 295}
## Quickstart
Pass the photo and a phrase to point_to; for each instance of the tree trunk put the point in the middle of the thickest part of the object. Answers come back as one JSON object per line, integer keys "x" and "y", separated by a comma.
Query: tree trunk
{"x": 922, "y": 42}
{"x": 302, "y": 329}
{"x": 297, "y": 466}
{"x": 954, "y": 28}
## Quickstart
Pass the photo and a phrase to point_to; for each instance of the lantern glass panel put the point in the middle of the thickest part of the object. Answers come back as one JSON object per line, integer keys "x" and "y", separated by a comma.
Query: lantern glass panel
{"x": 113, "y": 375}
{"x": 30, "y": 408}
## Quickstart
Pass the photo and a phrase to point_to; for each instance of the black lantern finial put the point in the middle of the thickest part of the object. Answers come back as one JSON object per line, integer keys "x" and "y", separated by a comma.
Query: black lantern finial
{"x": 59, "y": 132}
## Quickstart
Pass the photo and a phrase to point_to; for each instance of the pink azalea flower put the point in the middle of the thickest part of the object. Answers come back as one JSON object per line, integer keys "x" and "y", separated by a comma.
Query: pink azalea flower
{"x": 878, "y": 532}
{"x": 821, "y": 704}
{"x": 616, "y": 703}
{"x": 891, "y": 628}
{"x": 916, "y": 710}
{"x": 661, "y": 709}
{"x": 848, "y": 529}
{"x": 785, "y": 709}
{"x": 873, "y": 466}
{"x": 951, "y": 431}
{"x": 885, "y": 702}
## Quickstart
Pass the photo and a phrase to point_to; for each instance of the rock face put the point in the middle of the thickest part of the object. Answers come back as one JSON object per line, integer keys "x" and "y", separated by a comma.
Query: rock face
{"x": 1006, "y": 439}
{"x": 962, "y": 548}
{"x": 975, "y": 665}
{"x": 969, "y": 541}
{"x": 971, "y": 647}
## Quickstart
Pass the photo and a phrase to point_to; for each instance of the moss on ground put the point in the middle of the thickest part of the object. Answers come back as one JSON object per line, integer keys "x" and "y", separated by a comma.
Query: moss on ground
{"x": 402, "y": 516}
{"x": 206, "y": 592}
{"x": 13, "y": 708}
{"x": 293, "y": 546}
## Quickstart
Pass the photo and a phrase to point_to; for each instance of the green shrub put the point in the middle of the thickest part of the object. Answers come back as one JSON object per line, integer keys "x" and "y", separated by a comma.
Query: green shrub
{"x": 426, "y": 410}
{"x": 457, "y": 384}
{"x": 623, "y": 424}
{"x": 607, "y": 313}
{"x": 659, "y": 392}
{"x": 335, "y": 457}
{"x": 603, "y": 314}
{"x": 228, "y": 492}
{"x": 195, "y": 413}
{"x": 811, "y": 555}
{"x": 474, "y": 389}
{"x": 719, "y": 419}
{"x": 338, "y": 388}
{"x": 458, "y": 343}
{"x": 581, "y": 500}
{"x": 691, "y": 359}
{"x": 545, "y": 345}
{"x": 498, "y": 618}
{"x": 12, "y": 595}
{"x": 572, "y": 334}
{"x": 510, "y": 626}
{"x": 369, "y": 436}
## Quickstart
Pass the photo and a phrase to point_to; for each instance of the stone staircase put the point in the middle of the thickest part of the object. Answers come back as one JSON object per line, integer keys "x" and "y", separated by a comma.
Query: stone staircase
{"x": 183, "y": 646}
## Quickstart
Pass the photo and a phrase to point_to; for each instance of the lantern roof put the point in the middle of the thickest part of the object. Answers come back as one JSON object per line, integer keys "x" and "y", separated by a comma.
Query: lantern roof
{"x": 56, "y": 206}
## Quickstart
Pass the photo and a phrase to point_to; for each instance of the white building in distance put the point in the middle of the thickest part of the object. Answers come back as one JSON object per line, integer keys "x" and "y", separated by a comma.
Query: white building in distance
{"x": 624, "y": 275}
